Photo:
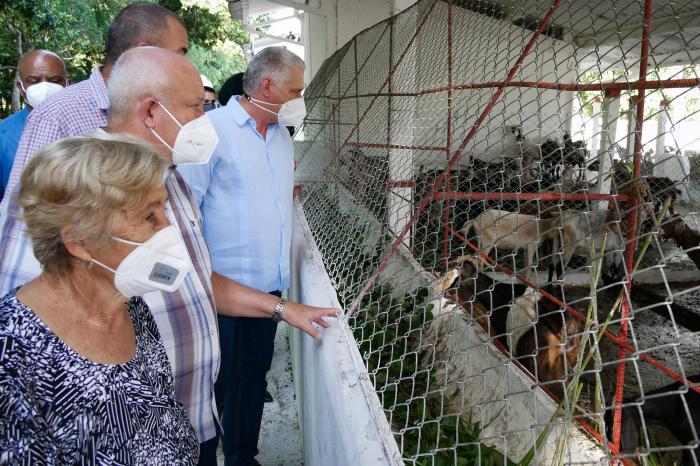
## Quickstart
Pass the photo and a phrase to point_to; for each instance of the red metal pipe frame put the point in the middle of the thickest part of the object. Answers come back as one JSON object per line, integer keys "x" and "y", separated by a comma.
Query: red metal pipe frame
{"x": 396, "y": 146}
{"x": 386, "y": 81}
{"x": 335, "y": 108}
{"x": 546, "y": 196}
{"x": 632, "y": 224}
{"x": 573, "y": 87}
{"x": 642, "y": 85}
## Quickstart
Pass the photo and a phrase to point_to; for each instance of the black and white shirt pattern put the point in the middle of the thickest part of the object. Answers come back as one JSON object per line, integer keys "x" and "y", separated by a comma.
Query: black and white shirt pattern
{"x": 57, "y": 407}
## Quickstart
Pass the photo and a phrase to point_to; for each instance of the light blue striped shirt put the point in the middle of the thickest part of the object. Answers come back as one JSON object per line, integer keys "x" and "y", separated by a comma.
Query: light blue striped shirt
{"x": 245, "y": 196}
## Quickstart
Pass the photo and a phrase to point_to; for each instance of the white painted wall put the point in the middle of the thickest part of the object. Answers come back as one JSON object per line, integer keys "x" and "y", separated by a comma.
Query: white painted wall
{"x": 338, "y": 21}
{"x": 485, "y": 50}
{"x": 341, "y": 418}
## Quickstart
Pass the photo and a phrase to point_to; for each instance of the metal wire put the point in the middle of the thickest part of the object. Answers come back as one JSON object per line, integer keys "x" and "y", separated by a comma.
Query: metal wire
{"x": 565, "y": 131}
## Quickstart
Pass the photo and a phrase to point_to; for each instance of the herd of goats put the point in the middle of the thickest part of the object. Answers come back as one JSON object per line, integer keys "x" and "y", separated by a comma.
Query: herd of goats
{"x": 538, "y": 333}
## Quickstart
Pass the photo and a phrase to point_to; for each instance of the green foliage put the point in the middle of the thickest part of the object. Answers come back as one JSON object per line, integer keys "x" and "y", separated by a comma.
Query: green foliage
{"x": 77, "y": 29}
{"x": 207, "y": 27}
{"x": 590, "y": 77}
{"x": 215, "y": 39}
{"x": 388, "y": 330}
{"x": 219, "y": 63}
{"x": 74, "y": 29}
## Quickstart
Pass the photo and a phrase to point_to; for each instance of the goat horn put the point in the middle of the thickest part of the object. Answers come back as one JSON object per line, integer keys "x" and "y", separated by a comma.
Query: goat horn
{"x": 443, "y": 283}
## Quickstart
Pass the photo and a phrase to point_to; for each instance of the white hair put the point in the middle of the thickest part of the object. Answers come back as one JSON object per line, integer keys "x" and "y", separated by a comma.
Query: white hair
{"x": 272, "y": 62}
{"x": 141, "y": 72}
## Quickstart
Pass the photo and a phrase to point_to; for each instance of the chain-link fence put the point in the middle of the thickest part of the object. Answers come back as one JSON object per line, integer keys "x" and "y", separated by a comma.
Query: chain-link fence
{"x": 505, "y": 196}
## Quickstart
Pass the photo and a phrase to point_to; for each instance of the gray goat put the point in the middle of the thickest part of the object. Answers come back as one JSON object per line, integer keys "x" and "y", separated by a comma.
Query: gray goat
{"x": 577, "y": 233}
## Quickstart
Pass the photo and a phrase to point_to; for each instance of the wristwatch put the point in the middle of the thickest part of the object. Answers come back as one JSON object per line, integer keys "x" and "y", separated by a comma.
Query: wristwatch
{"x": 279, "y": 310}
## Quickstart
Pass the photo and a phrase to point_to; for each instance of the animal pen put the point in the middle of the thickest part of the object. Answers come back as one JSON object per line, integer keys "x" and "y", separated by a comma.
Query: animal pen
{"x": 532, "y": 122}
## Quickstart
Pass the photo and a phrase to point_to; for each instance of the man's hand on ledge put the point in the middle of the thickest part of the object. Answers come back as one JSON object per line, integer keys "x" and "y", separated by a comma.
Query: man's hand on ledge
{"x": 302, "y": 317}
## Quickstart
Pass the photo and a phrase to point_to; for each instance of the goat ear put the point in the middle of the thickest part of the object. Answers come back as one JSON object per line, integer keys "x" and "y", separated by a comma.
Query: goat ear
{"x": 445, "y": 282}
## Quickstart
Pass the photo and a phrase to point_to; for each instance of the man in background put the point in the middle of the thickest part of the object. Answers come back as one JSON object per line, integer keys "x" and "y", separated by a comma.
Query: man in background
{"x": 209, "y": 94}
{"x": 41, "y": 74}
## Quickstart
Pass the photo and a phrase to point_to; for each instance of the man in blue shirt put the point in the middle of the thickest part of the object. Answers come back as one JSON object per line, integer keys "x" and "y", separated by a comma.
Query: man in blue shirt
{"x": 245, "y": 196}
{"x": 41, "y": 73}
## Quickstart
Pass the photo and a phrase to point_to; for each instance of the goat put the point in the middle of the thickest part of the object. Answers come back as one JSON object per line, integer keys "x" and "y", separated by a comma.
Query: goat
{"x": 552, "y": 158}
{"x": 534, "y": 330}
{"x": 579, "y": 232}
{"x": 517, "y": 146}
{"x": 575, "y": 152}
{"x": 547, "y": 339}
{"x": 664, "y": 407}
{"x": 507, "y": 230}
{"x": 686, "y": 238}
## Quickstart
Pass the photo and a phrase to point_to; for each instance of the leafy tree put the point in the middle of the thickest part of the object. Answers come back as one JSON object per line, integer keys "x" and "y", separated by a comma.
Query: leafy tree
{"x": 215, "y": 39}
{"x": 76, "y": 30}
{"x": 219, "y": 63}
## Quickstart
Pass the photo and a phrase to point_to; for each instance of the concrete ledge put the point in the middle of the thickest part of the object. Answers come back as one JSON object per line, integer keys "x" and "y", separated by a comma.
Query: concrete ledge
{"x": 342, "y": 420}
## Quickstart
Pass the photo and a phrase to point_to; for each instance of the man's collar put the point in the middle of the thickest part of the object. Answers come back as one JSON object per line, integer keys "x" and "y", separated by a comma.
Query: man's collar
{"x": 99, "y": 89}
{"x": 240, "y": 116}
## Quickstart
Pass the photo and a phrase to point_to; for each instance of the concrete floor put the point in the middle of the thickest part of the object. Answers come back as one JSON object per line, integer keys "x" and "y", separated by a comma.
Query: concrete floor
{"x": 279, "y": 442}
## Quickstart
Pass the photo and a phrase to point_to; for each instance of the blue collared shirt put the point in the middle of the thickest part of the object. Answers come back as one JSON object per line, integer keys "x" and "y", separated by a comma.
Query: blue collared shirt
{"x": 10, "y": 132}
{"x": 245, "y": 196}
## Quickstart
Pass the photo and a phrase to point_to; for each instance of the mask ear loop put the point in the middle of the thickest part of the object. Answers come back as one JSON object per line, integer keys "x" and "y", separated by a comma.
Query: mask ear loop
{"x": 169, "y": 114}
{"x": 153, "y": 131}
{"x": 252, "y": 101}
{"x": 103, "y": 266}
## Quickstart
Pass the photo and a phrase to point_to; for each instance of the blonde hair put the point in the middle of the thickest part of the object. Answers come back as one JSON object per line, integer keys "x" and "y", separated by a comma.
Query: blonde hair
{"x": 84, "y": 182}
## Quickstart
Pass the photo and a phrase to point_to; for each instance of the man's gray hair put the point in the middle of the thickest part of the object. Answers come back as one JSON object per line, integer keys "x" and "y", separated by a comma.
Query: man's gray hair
{"x": 140, "y": 72}
{"x": 272, "y": 62}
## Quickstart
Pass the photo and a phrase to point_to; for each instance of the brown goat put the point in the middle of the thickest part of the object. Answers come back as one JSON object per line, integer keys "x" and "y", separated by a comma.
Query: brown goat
{"x": 686, "y": 238}
{"x": 545, "y": 339}
{"x": 549, "y": 349}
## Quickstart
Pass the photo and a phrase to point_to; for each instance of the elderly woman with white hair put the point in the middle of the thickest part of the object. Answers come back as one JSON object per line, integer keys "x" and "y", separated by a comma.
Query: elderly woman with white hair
{"x": 84, "y": 376}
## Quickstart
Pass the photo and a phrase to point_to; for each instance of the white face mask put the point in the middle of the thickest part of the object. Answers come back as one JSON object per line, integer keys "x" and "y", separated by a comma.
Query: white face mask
{"x": 159, "y": 264}
{"x": 291, "y": 113}
{"x": 39, "y": 92}
{"x": 195, "y": 142}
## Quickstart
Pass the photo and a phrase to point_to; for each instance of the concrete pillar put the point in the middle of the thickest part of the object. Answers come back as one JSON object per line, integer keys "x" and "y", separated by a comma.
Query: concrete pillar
{"x": 595, "y": 143}
{"x": 610, "y": 115}
{"x": 595, "y": 137}
{"x": 631, "y": 126}
{"x": 314, "y": 31}
{"x": 662, "y": 120}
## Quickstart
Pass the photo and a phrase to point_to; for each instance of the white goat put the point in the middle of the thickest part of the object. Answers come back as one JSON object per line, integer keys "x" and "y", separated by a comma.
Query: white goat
{"x": 507, "y": 230}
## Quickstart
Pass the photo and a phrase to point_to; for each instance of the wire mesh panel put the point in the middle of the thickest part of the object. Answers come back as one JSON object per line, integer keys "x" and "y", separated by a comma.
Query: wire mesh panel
{"x": 505, "y": 195}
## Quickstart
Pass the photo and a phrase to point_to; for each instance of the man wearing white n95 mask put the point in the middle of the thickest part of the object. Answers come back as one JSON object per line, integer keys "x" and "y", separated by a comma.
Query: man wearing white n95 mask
{"x": 249, "y": 179}
{"x": 41, "y": 74}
